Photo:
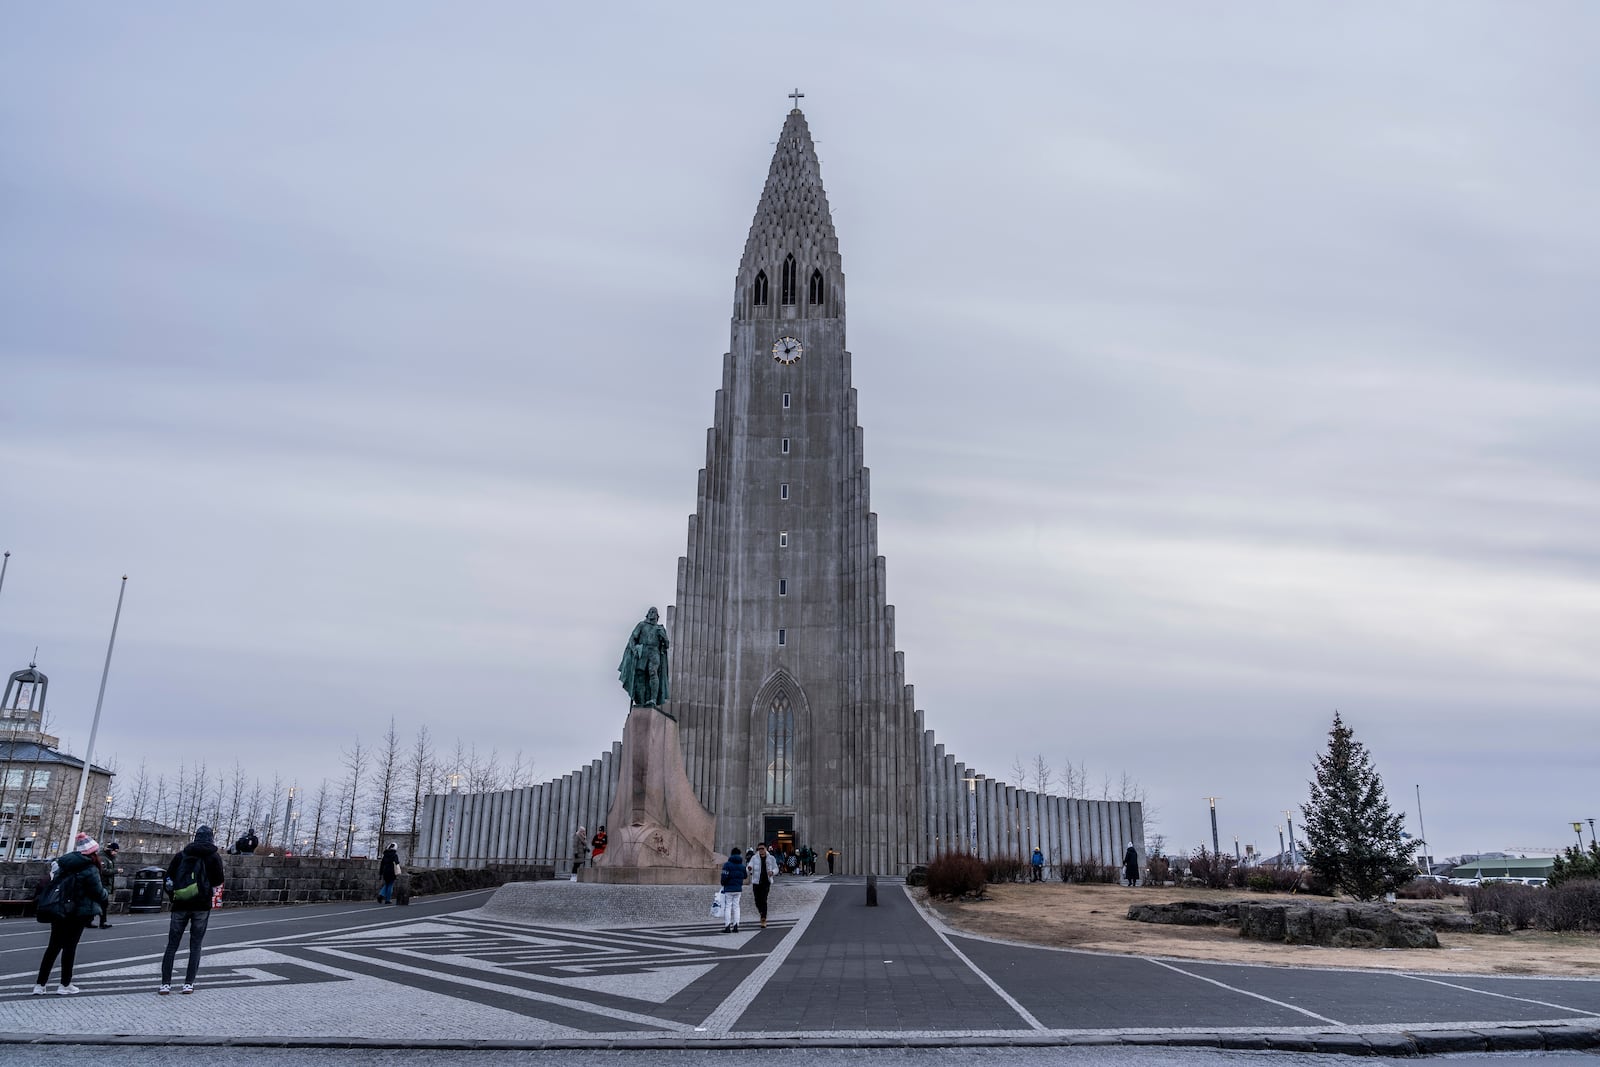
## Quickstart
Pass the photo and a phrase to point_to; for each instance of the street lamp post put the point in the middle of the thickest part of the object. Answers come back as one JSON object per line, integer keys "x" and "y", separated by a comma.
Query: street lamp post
{"x": 1293, "y": 858}
{"x": 1280, "y": 847}
{"x": 1422, "y": 832}
{"x": 1216, "y": 846}
{"x": 1591, "y": 833}
{"x": 1577, "y": 828}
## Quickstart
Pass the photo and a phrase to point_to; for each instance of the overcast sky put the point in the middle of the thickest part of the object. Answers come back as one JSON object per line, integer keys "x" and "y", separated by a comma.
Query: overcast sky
{"x": 1220, "y": 367}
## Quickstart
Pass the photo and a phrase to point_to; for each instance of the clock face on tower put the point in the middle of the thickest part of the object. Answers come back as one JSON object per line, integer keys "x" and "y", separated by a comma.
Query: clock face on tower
{"x": 786, "y": 350}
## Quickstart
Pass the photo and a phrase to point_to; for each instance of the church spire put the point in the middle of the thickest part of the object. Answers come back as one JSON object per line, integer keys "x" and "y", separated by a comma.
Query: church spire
{"x": 792, "y": 219}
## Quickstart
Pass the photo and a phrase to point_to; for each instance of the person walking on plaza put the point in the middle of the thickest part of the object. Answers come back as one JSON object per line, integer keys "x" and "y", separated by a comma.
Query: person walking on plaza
{"x": 78, "y": 898}
{"x": 580, "y": 849}
{"x": 1038, "y": 865}
{"x": 733, "y": 873}
{"x": 388, "y": 871}
{"x": 194, "y": 880}
{"x": 597, "y": 847}
{"x": 762, "y": 870}
{"x": 108, "y": 879}
{"x": 1130, "y": 865}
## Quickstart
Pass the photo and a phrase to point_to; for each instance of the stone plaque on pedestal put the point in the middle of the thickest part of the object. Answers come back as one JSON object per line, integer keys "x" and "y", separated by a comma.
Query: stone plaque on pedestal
{"x": 657, "y": 832}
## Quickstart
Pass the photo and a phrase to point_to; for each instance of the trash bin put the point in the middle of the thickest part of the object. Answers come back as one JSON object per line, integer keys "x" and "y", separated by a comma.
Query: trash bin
{"x": 147, "y": 883}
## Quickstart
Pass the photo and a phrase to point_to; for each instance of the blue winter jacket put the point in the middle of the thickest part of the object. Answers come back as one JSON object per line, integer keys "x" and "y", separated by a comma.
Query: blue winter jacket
{"x": 733, "y": 873}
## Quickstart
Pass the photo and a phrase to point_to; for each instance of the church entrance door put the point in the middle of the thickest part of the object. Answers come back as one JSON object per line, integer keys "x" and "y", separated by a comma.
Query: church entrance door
{"x": 778, "y": 832}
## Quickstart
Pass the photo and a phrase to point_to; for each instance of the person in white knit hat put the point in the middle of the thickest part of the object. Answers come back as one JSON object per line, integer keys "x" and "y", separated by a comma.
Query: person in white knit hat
{"x": 71, "y": 902}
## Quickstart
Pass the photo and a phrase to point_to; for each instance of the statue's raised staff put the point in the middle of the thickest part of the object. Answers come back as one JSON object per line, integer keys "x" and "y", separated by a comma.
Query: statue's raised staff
{"x": 643, "y": 670}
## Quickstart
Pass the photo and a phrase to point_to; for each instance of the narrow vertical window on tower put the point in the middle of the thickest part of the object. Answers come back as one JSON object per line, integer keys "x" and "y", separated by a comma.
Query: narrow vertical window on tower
{"x": 780, "y": 750}
{"x": 783, "y": 538}
{"x": 786, "y": 401}
{"x": 814, "y": 296}
{"x": 758, "y": 290}
{"x": 789, "y": 282}
{"x": 783, "y": 491}
{"x": 786, "y": 446}
{"x": 783, "y": 587}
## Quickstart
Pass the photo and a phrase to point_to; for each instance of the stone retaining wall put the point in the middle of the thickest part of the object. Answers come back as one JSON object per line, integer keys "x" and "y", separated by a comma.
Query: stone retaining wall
{"x": 261, "y": 879}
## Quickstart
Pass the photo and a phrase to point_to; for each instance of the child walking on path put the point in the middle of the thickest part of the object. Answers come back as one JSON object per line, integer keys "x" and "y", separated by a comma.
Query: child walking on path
{"x": 733, "y": 873}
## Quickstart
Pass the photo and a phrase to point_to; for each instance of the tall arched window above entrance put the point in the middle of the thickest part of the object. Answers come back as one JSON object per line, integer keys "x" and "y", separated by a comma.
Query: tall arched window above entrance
{"x": 758, "y": 291}
{"x": 780, "y": 750}
{"x": 814, "y": 296}
{"x": 789, "y": 283}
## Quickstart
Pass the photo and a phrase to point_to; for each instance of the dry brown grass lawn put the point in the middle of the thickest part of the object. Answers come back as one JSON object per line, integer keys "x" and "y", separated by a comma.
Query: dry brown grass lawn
{"x": 1094, "y": 917}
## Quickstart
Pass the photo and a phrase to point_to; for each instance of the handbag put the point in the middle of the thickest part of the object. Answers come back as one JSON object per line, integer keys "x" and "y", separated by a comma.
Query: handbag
{"x": 718, "y": 905}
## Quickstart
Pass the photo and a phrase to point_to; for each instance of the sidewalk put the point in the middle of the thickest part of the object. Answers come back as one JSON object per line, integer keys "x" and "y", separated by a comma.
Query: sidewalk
{"x": 564, "y": 965}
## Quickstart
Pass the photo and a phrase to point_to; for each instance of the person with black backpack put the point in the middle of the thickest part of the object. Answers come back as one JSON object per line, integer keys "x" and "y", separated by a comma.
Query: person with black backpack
{"x": 194, "y": 882}
{"x": 69, "y": 902}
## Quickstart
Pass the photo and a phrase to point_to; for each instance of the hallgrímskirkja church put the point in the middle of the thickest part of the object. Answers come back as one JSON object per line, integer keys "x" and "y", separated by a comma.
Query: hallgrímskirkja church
{"x": 796, "y": 720}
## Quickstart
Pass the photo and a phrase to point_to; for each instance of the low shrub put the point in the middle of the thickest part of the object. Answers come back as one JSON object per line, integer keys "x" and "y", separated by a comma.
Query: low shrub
{"x": 1520, "y": 904}
{"x": 1419, "y": 889}
{"x": 1214, "y": 870}
{"x": 955, "y": 874}
{"x": 997, "y": 869}
{"x": 1572, "y": 905}
{"x": 1159, "y": 870}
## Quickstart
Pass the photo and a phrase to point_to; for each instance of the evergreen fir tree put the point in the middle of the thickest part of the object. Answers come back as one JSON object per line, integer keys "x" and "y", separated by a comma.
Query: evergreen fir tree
{"x": 1352, "y": 838}
{"x": 1576, "y": 863}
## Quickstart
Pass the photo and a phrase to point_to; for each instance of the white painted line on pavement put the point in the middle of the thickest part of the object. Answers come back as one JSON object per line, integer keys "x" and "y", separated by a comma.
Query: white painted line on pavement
{"x": 939, "y": 930}
{"x": 1503, "y": 996}
{"x": 1245, "y": 992}
{"x": 583, "y": 1006}
{"x": 732, "y": 1009}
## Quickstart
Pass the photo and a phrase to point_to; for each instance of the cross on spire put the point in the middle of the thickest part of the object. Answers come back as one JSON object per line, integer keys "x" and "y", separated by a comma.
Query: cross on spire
{"x": 797, "y": 96}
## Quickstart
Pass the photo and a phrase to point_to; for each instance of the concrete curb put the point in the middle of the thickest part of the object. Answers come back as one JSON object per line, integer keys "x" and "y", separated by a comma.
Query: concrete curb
{"x": 1377, "y": 1043}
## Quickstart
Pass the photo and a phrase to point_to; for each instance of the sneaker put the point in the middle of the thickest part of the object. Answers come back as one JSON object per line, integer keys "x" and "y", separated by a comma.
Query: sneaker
{"x": 164, "y": 990}
{"x": 188, "y": 989}
{"x": 39, "y": 990}
{"x": 68, "y": 990}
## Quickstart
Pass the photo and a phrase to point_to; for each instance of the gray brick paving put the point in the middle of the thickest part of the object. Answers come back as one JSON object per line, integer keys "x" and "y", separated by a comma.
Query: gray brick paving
{"x": 558, "y": 965}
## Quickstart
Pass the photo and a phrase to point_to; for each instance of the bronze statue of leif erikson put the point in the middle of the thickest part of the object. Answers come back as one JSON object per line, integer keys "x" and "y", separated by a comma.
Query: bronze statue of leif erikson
{"x": 643, "y": 670}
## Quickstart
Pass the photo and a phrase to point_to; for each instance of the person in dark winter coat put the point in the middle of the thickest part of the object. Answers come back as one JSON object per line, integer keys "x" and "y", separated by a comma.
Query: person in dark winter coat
{"x": 1130, "y": 865}
{"x": 200, "y": 857}
{"x": 733, "y": 873}
{"x": 80, "y": 868}
{"x": 108, "y": 878}
{"x": 247, "y": 843}
{"x": 388, "y": 871}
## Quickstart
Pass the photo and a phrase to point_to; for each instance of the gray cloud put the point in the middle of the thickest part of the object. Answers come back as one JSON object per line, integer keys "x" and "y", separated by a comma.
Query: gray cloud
{"x": 1217, "y": 371}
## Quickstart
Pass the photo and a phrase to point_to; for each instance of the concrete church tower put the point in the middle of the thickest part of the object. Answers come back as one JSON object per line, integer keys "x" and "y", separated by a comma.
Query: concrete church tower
{"x": 794, "y": 711}
{"x": 795, "y": 721}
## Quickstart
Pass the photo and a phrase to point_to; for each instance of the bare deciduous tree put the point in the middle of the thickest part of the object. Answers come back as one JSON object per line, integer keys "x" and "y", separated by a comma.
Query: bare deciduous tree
{"x": 420, "y": 770}
{"x": 355, "y": 768}
{"x": 386, "y": 770}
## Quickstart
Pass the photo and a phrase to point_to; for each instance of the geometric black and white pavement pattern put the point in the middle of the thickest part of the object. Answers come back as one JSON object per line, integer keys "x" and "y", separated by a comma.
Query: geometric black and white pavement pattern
{"x": 564, "y": 963}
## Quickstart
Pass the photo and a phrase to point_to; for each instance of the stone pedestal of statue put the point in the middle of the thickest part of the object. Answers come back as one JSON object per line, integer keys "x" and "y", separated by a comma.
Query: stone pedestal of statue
{"x": 657, "y": 832}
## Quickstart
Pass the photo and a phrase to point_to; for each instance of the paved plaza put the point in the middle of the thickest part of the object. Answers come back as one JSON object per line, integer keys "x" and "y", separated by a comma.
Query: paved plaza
{"x": 562, "y": 965}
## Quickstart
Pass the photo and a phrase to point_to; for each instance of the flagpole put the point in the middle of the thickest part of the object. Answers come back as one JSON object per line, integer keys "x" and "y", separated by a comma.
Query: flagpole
{"x": 88, "y": 757}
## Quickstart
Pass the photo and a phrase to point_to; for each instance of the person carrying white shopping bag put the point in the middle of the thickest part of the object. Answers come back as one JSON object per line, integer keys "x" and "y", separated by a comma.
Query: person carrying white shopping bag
{"x": 733, "y": 873}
